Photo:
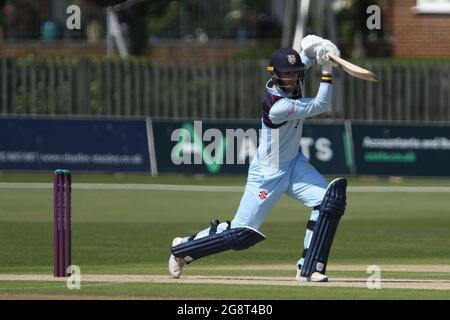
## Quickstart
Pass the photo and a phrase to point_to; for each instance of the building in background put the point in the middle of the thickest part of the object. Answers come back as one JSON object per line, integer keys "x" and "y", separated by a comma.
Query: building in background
{"x": 418, "y": 28}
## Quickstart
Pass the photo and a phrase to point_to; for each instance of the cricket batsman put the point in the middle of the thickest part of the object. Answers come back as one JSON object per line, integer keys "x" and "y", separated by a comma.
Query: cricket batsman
{"x": 279, "y": 168}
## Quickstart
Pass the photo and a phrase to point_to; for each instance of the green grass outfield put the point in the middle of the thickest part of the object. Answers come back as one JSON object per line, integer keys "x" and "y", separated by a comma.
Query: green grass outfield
{"x": 128, "y": 232}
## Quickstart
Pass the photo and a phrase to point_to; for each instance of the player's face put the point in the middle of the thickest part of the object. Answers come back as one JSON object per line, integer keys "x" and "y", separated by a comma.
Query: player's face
{"x": 289, "y": 79}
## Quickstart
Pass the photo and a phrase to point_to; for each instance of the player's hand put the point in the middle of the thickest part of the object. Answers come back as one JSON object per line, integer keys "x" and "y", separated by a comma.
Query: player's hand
{"x": 318, "y": 48}
{"x": 310, "y": 44}
{"x": 327, "y": 66}
{"x": 323, "y": 51}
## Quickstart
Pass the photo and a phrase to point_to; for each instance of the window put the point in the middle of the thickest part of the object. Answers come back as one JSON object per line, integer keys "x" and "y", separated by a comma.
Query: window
{"x": 432, "y": 6}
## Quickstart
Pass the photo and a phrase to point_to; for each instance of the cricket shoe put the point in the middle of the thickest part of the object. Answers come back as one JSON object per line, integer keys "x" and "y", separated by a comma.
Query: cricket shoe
{"x": 315, "y": 277}
{"x": 176, "y": 264}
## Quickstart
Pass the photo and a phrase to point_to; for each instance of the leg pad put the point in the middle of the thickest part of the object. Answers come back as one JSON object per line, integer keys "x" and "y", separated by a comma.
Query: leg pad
{"x": 331, "y": 210}
{"x": 233, "y": 238}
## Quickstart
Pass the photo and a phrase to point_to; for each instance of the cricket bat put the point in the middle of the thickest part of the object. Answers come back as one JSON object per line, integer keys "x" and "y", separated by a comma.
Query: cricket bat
{"x": 352, "y": 69}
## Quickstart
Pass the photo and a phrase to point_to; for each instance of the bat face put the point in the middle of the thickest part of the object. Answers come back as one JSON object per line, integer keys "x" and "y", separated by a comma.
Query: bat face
{"x": 352, "y": 69}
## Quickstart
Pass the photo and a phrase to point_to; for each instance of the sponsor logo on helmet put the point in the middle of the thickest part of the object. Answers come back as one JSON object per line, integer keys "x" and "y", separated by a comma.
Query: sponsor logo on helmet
{"x": 291, "y": 58}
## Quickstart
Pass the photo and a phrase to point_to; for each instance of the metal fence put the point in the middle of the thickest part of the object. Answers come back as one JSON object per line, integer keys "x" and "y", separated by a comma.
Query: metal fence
{"x": 195, "y": 89}
{"x": 416, "y": 92}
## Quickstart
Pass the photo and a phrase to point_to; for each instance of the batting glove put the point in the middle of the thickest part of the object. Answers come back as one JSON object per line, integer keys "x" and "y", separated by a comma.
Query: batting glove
{"x": 325, "y": 48}
{"x": 327, "y": 67}
{"x": 318, "y": 48}
{"x": 310, "y": 44}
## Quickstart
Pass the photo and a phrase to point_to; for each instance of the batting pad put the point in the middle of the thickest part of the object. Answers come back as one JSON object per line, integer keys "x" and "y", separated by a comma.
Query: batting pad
{"x": 233, "y": 238}
{"x": 331, "y": 210}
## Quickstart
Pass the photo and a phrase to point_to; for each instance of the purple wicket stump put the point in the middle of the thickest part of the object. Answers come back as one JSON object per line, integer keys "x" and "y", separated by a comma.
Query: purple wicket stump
{"x": 62, "y": 229}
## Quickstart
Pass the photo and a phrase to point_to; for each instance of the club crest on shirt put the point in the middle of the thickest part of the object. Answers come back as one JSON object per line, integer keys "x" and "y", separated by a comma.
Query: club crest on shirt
{"x": 291, "y": 58}
{"x": 263, "y": 194}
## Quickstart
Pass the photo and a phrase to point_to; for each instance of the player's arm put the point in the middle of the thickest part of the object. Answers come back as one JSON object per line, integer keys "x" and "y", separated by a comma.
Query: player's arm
{"x": 291, "y": 109}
